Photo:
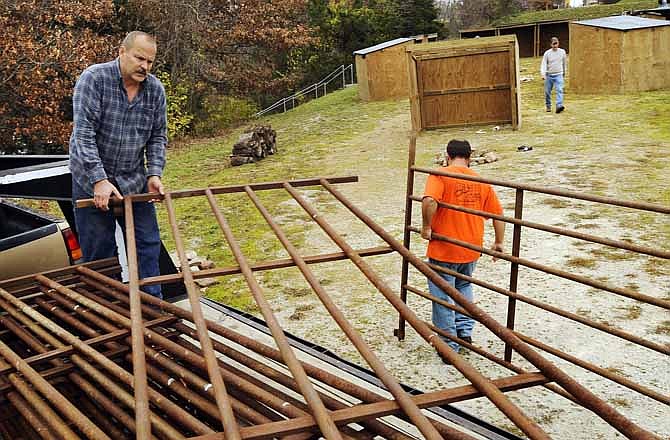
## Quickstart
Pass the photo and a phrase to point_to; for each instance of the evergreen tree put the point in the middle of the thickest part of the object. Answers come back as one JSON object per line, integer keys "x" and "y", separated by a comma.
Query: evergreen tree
{"x": 417, "y": 17}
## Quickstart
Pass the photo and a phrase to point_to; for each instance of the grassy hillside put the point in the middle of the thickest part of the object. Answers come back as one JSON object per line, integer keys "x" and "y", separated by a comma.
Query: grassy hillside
{"x": 610, "y": 145}
{"x": 584, "y": 13}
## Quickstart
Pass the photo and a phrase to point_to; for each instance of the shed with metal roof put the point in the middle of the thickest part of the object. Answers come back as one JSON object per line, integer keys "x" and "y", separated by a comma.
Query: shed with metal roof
{"x": 619, "y": 54}
{"x": 381, "y": 70}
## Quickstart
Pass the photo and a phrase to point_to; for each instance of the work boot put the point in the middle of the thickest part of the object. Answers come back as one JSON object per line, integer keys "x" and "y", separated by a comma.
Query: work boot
{"x": 548, "y": 109}
{"x": 560, "y": 109}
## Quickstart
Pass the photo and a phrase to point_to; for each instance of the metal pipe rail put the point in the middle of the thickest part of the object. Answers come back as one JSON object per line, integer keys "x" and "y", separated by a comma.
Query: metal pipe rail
{"x": 95, "y": 332}
{"x": 288, "y": 103}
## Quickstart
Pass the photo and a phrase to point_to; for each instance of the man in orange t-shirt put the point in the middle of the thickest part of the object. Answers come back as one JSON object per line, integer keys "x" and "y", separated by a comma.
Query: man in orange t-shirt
{"x": 460, "y": 226}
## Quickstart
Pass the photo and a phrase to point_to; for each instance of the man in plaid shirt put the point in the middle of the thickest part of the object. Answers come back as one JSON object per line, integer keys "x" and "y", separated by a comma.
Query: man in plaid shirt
{"x": 117, "y": 148}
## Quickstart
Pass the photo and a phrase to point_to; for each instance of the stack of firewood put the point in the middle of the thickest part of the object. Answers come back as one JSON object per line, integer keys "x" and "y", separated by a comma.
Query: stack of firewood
{"x": 253, "y": 145}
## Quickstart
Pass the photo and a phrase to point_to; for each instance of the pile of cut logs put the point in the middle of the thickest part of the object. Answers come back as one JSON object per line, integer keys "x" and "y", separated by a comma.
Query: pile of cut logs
{"x": 253, "y": 145}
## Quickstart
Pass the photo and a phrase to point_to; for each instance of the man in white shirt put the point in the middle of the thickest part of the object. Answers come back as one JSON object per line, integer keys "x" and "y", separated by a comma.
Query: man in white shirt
{"x": 552, "y": 70}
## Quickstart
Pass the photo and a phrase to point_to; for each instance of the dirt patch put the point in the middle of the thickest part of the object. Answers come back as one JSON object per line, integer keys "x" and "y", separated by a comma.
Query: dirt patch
{"x": 380, "y": 193}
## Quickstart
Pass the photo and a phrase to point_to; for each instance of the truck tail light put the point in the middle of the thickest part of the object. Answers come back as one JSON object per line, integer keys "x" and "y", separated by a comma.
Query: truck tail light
{"x": 72, "y": 244}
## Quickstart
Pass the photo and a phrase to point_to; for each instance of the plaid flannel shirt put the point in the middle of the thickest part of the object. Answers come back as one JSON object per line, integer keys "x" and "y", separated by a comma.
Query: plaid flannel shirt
{"x": 111, "y": 136}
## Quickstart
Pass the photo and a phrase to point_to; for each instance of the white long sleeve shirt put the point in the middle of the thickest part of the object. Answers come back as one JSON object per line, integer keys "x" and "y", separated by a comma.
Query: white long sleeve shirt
{"x": 554, "y": 62}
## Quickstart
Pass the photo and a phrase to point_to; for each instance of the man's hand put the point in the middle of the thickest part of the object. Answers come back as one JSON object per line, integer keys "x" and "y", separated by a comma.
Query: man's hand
{"x": 102, "y": 190}
{"x": 154, "y": 185}
{"x": 426, "y": 233}
{"x": 497, "y": 247}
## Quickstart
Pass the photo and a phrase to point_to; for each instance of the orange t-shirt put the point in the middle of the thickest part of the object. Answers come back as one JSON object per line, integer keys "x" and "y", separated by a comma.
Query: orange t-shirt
{"x": 455, "y": 224}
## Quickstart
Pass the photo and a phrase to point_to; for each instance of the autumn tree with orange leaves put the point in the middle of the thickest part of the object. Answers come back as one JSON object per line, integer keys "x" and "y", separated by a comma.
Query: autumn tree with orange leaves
{"x": 238, "y": 48}
{"x": 44, "y": 46}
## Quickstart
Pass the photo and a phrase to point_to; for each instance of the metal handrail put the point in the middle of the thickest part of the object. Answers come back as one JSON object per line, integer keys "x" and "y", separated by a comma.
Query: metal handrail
{"x": 288, "y": 103}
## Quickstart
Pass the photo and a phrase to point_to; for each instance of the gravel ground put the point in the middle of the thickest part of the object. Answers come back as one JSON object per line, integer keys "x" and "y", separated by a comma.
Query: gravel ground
{"x": 380, "y": 193}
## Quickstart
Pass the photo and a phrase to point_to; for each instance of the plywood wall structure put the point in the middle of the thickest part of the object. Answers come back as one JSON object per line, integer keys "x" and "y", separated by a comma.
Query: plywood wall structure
{"x": 619, "y": 55}
{"x": 381, "y": 70}
{"x": 465, "y": 82}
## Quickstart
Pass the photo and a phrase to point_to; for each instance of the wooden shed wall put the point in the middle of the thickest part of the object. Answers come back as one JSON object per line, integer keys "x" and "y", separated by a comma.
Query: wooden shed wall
{"x": 595, "y": 59}
{"x": 386, "y": 73}
{"x": 646, "y": 59}
{"x": 362, "y": 78}
{"x": 612, "y": 61}
{"x": 465, "y": 84}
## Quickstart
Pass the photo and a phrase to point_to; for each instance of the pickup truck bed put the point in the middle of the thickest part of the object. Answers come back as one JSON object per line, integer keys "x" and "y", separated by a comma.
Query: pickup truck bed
{"x": 30, "y": 240}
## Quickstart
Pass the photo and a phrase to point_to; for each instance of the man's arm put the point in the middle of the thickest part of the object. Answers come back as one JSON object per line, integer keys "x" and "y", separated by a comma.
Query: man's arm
{"x": 499, "y": 228}
{"x": 156, "y": 144}
{"x": 543, "y": 66}
{"x": 86, "y": 109}
{"x": 428, "y": 210}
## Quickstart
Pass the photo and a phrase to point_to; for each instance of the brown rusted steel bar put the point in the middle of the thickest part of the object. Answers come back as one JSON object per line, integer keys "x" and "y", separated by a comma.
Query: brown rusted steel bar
{"x": 618, "y": 244}
{"x": 269, "y": 352}
{"x": 326, "y": 425}
{"x": 561, "y": 273}
{"x": 32, "y": 416}
{"x": 197, "y": 360}
{"x": 555, "y": 310}
{"x": 140, "y": 387}
{"x": 660, "y": 397}
{"x": 380, "y": 409}
{"x": 266, "y": 265}
{"x": 127, "y": 378}
{"x": 51, "y": 417}
{"x": 274, "y": 354}
{"x": 65, "y": 407}
{"x": 108, "y": 425}
{"x": 289, "y": 382}
{"x": 222, "y": 400}
{"x": 160, "y": 426}
{"x": 175, "y": 386}
{"x": 202, "y": 386}
{"x": 186, "y": 330}
{"x": 553, "y": 191}
{"x": 500, "y": 361}
{"x": 83, "y": 203}
{"x": 301, "y": 409}
{"x": 407, "y": 237}
{"x": 392, "y": 385}
{"x": 582, "y": 394}
{"x": 14, "y": 284}
{"x": 108, "y": 404}
{"x": 283, "y": 379}
{"x": 527, "y": 425}
{"x": 514, "y": 269}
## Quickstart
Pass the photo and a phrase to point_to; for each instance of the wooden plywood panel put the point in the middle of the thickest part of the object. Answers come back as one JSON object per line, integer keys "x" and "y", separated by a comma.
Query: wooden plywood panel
{"x": 646, "y": 59}
{"x": 387, "y": 73}
{"x": 595, "y": 59}
{"x": 465, "y": 72}
{"x": 484, "y": 107}
{"x": 362, "y": 78}
{"x": 464, "y": 82}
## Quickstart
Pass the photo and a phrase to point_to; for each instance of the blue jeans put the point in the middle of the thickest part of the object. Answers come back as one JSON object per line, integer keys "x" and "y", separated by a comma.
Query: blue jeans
{"x": 446, "y": 319}
{"x": 96, "y": 230}
{"x": 551, "y": 82}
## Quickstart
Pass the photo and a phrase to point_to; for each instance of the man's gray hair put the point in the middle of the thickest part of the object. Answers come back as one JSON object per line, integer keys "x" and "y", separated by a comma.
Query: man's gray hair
{"x": 129, "y": 41}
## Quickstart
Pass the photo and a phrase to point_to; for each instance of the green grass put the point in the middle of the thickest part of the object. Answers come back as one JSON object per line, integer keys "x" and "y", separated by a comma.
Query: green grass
{"x": 584, "y": 13}
{"x": 309, "y": 139}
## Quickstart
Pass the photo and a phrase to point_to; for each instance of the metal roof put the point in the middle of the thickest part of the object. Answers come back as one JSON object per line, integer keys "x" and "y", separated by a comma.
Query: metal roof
{"x": 624, "y": 22}
{"x": 383, "y": 45}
